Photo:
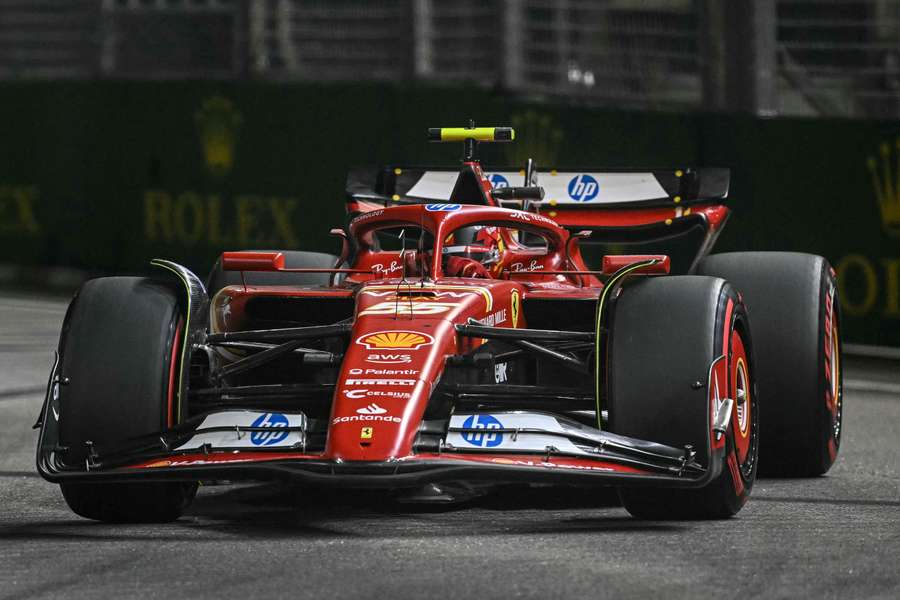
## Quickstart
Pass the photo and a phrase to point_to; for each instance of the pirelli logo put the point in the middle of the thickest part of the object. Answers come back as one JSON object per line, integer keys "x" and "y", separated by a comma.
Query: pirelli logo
{"x": 397, "y": 382}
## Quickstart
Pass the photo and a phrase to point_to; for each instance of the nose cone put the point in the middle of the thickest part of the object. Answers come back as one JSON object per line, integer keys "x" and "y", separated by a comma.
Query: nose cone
{"x": 385, "y": 385}
{"x": 401, "y": 338}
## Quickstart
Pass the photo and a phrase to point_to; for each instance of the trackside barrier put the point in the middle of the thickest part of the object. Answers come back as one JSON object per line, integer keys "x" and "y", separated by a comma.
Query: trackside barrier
{"x": 102, "y": 176}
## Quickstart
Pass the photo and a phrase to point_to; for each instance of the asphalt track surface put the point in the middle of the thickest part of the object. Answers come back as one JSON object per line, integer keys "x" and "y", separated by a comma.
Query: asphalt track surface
{"x": 832, "y": 537}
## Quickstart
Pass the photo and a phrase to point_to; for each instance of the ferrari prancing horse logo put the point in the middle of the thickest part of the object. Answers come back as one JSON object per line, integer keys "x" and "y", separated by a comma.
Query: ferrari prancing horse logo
{"x": 514, "y": 307}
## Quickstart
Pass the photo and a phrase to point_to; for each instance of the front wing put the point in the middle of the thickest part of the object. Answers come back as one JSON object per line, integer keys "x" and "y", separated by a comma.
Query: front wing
{"x": 540, "y": 448}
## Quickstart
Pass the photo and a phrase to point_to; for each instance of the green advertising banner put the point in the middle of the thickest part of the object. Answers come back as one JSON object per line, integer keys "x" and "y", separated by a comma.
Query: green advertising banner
{"x": 106, "y": 175}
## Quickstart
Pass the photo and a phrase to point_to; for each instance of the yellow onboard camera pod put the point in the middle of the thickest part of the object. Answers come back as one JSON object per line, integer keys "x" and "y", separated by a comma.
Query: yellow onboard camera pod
{"x": 479, "y": 134}
{"x": 470, "y": 136}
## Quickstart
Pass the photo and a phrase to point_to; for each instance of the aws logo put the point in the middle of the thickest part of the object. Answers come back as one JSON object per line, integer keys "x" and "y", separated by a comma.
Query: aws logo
{"x": 218, "y": 122}
{"x": 886, "y": 183}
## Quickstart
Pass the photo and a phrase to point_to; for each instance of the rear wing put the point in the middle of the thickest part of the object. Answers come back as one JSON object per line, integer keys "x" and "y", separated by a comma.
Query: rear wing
{"x": 587, "y": 188}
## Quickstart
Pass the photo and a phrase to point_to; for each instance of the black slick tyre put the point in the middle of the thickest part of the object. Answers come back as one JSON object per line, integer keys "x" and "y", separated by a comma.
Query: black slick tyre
{"x": 293, "y": 259}
{"x": 795, "y": 322}
{"x": 677, "y": 347}
{"x": 118, "y": 350}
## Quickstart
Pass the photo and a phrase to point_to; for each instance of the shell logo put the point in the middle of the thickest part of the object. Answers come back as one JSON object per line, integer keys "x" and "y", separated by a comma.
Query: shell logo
{"x": 406, "y": 340}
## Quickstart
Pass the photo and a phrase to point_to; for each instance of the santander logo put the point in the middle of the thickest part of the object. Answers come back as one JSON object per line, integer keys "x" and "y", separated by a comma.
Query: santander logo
{"x": 372, "y": 409}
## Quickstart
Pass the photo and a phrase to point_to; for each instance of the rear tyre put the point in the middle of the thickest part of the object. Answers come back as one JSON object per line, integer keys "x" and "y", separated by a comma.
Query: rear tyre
{"x": 219, "y": 278}
{"x": 119, "y": 350}
{"x": 665, "y": 334}
{"x": 792, "y": 300}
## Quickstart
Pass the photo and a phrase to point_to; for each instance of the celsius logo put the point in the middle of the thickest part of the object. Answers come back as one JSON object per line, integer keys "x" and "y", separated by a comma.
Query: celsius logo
{"x": 498, "y": 181}
{"x": 442, "y": 207}
{"x": 485, "y": 439}
{"x": 357, "y": 394}
{"x": 583, "y": 188}
{"x": 271, "y": 421}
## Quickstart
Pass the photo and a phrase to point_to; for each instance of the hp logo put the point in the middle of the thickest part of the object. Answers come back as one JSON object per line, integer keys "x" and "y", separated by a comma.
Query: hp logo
{"x": 275, "y": 423}
{"x": 498, "y": 181}
{"x": 583, "y": 188}
{"x": 487, "y": 439}
{"x": 442, "y": 207}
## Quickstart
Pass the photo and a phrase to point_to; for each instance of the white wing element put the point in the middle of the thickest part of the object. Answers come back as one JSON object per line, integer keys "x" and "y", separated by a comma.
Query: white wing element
{"x": 563, "y": 187}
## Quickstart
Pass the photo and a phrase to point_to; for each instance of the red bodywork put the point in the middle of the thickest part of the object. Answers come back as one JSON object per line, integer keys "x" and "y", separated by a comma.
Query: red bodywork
{"x": 404, "y": 331}
{"x": 397, "y": 372}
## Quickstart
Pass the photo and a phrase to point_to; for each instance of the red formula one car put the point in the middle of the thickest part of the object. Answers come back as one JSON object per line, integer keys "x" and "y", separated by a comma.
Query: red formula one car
{"x": 470, "y": 333}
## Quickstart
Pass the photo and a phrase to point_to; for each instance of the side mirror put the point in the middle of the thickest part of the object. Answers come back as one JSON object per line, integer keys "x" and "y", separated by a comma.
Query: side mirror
{"x": 659, "y": 266}
{"x": 252, "y": 261}
{"x": 345, "y": 251}
{"x": 345, "y": 245}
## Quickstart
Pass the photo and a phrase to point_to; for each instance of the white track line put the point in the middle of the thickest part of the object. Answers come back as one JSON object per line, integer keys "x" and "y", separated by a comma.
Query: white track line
{"x": 886, "y": 352}
{"x": 866, "y": 385}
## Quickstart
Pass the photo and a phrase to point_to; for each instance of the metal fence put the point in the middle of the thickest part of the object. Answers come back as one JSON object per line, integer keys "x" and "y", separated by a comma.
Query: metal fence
{"x": 795, "y": 57}
{"x": 839, "y": 57}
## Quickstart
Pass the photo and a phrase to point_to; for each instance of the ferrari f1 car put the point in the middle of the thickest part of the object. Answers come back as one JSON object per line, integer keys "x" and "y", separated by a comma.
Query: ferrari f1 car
{"x": 471, "y": 332}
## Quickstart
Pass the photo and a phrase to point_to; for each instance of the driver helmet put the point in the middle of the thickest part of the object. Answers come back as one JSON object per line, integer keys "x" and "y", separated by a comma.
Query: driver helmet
{"x": 478, "y": 243}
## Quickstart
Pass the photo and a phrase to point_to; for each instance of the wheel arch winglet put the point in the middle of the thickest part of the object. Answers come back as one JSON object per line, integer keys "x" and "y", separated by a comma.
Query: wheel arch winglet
{"x": 195, "y": 322}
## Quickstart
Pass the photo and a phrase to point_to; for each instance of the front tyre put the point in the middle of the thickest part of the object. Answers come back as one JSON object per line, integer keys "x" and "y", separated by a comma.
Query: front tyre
{"x": 666, "y": 334}
{"x": 119, "y": 351}
{"x": 142, "y": 502}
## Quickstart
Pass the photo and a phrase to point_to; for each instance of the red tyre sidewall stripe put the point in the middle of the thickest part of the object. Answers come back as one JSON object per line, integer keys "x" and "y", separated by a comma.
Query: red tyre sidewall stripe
{"x": 741, "y": 438}
{"x": 735, "y": 474}
{"x": 173, "y": 362}
{"x": 732, "y": 459}
{"x": 832, "y": 376}
{"x": 829, "y": 332}
{"x": 726, "y": 334}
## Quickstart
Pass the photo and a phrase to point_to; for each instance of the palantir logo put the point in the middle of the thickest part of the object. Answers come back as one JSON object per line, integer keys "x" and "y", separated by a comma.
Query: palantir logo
{"x": 498, "y": 181}
{"x": 583, "y": 188}
{"x": 486, "y": 439}
{"x": 275, "y": 423}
